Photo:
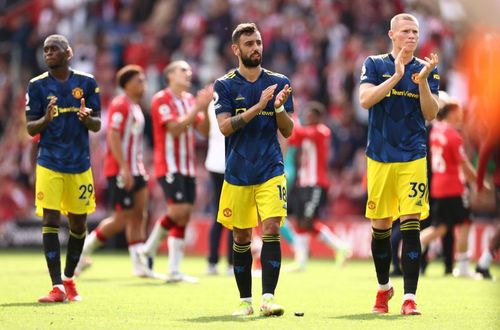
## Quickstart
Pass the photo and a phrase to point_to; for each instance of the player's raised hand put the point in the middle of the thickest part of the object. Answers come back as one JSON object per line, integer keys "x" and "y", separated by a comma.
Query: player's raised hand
{"x": 51, "y": 110}
{"x": 282, "y": 96}
{"x": 429, "y": 65}
{"x": 399, "y": 64}
{"x": 267, "y": 95}
{"x": 84, "y": 112}
{"x": 204, "y": 96}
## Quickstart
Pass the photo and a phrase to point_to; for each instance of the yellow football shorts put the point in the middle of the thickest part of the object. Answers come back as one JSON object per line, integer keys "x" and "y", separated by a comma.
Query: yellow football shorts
{"x": 243, "y": 206}
{"x": 66, "y": 192}
{"x": 396, "y": 189}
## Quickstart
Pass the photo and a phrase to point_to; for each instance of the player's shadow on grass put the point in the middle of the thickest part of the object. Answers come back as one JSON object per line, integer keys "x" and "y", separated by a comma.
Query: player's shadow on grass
{"x": 29, "y": 304}
{"x": 368, "y": 317}
{"x": 219, "y": 318}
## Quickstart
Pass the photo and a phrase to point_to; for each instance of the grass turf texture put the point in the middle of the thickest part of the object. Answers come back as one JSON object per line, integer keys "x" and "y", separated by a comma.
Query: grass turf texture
{"x": 331, "y": 298}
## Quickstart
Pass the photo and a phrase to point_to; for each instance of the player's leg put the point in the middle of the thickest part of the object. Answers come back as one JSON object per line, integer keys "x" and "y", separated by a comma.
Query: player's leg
{"x": 413, "y": 206}
{"x": 49, "y": 188}
{"x": 78, "y": 201}
{"x": 303, "y": 228}
{"x": 77, "y": 233}
{"x": 380, "y": 208}
{"x": 271, "y": 198}
{"x": 486, "y": 258}
{"x": 135, "y": 230}
{"x": 170, "y": 184}
{"x": 242, "y": 259}
{"x": 395, "y": 243}
{"x": 215, "y": 228}
{"x": 238, "y": 212}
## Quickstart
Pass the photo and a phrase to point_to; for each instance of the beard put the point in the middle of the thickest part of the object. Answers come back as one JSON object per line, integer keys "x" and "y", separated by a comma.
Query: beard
{"x": 251, "y": 63}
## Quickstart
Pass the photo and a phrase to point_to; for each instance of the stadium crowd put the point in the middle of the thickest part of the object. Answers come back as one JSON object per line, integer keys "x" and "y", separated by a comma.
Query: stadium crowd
{"x": 319, "y": 44}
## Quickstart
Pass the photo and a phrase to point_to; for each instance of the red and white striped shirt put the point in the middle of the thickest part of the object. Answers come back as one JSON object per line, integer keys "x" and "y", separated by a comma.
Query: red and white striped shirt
{"x": 314, "y": 143}
{"x": 172, "y": 154}
{"x": 127, "y": 118}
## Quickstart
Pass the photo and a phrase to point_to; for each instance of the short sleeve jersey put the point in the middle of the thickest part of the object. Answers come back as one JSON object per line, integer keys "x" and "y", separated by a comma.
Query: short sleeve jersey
{"x": 447, "y": 153}
{"x": 253, "y": 153}
{"x": 126, "y": 118}
{"x": 314, "y": 143}
{"x": 64, "y": 143}
{"x": 396, "y": 129}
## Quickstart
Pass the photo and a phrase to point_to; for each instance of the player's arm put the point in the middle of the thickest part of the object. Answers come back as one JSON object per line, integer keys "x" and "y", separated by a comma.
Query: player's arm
{"x": 35, "y": 126}
{"x": 428, "y": 101}
{"x": 229, "y": 124}
{"x": 371, "y": 94}
{"x": 85, "y": 116}
{"x": 203, "y": 99}
{"x": 285, "y": 123}
{"x": 115, "y": 145}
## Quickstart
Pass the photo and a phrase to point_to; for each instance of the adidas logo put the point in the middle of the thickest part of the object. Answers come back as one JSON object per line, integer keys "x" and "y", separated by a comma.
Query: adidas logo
{"x": 419, "y": 202}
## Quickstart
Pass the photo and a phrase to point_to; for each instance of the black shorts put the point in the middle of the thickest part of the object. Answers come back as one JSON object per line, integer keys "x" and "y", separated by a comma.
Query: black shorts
{"x": 119, "y": 198}
{"x": 449, "y": 211}
{"x": 178, "y": 188}
{"x": 309, "y": 201}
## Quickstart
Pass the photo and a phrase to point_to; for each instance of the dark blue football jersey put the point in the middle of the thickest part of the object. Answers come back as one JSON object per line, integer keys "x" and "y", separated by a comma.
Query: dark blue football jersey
{"x": 64, "y": 143}
{"x": 396, "y": 130}
{"x": 253, "y": 153}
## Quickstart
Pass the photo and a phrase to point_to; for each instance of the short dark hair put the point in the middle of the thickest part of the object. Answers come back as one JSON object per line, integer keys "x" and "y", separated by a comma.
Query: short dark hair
{"x": 126, "y": 73}
{"x": 446, "y": 109}
{"x": 316, "y": 107}
{"x": 243, "y": 28}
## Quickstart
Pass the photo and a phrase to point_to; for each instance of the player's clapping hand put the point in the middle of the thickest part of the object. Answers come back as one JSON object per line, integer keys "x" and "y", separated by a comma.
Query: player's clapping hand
{"x": 204, "y": 96}
{"x": 84, "y": 112}
{"x": 282, "y": 96}
{"x": 51, "y": 110}
{"x": 266, "y": 96}
{"x": 429, "y": 65}
{"x": 128, "y": 179}
{"x": 399, "y": 65}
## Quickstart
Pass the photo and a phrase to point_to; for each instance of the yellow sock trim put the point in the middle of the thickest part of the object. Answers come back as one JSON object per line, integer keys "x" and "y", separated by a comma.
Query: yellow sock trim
{"x": 78, "y": 236}
{"x": 50, "y": 230}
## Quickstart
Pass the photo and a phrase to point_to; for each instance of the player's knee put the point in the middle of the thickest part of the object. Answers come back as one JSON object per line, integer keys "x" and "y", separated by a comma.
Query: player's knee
{"x": 271, "y": 226}
{"x": 242, "y": 236}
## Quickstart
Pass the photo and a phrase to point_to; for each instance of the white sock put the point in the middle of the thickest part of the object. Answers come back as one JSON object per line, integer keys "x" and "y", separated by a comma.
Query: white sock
{"x": 91, "y": 243}
{"x": 409, "y": 296}
{"x": 386, "y": 286}
{"x": 175, "y": 254}
{"x": 267, "y": 296}
{"x": 247, "y": 299}
{"x": 60, "y": 287}
{"x": 463, "y": 262}
{"x": 301, "y": 247}
{"x": 65, "y": 278}
{"x": 327, "y": 236}
{"x": 154, "y": 240}
{"x": 134, "y": 257}
{"x": 485, "y": 259}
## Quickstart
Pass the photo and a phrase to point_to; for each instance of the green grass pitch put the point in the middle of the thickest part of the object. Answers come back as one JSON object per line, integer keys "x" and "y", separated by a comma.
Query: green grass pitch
{"x": 331, "y": 298}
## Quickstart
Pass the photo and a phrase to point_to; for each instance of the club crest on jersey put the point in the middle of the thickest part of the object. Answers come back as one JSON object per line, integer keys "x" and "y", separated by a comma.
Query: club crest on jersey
{"x": 39, "y": 196}
{"x": 227, "y": 212}
{"x": 240, "y": 110}
{"x": 77, "y": 93}
{"x": 414, "y": 78}
{"x": 372, "y": 205}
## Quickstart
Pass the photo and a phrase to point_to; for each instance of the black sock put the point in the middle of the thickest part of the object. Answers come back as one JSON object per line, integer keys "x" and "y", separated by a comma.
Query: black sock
{"x": 382, "y": 253}
{"x": 75, "y": 246}
{"x": 52, "y": 250}
{"x": 411, "y": 254}
{"x": 270, "y": 258}
{"x": 242, "y": 257}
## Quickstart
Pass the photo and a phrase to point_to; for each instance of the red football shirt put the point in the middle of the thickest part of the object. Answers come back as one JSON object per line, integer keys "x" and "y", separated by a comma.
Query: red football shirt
{"x": 314, "y": 143}
{"x": 172, "y": 154}
{"x": 127, "y": 118}
{"x": 447, "y": 153}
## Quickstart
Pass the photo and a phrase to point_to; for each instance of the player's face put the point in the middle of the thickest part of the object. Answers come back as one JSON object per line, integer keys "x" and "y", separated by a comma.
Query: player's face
{"x": 405, "y": 34}
{"x": 249, "y": 50}
{"x": 54, "y": 56}
{"x": 137, "y": 85}
{"x": 181, "y": 76}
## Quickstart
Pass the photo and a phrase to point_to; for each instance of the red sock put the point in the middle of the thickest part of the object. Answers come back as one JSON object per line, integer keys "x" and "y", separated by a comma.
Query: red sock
{"x": 178, "y": 231}
{"x": 166, "y": 222}
{"x": 100, "y": 235}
